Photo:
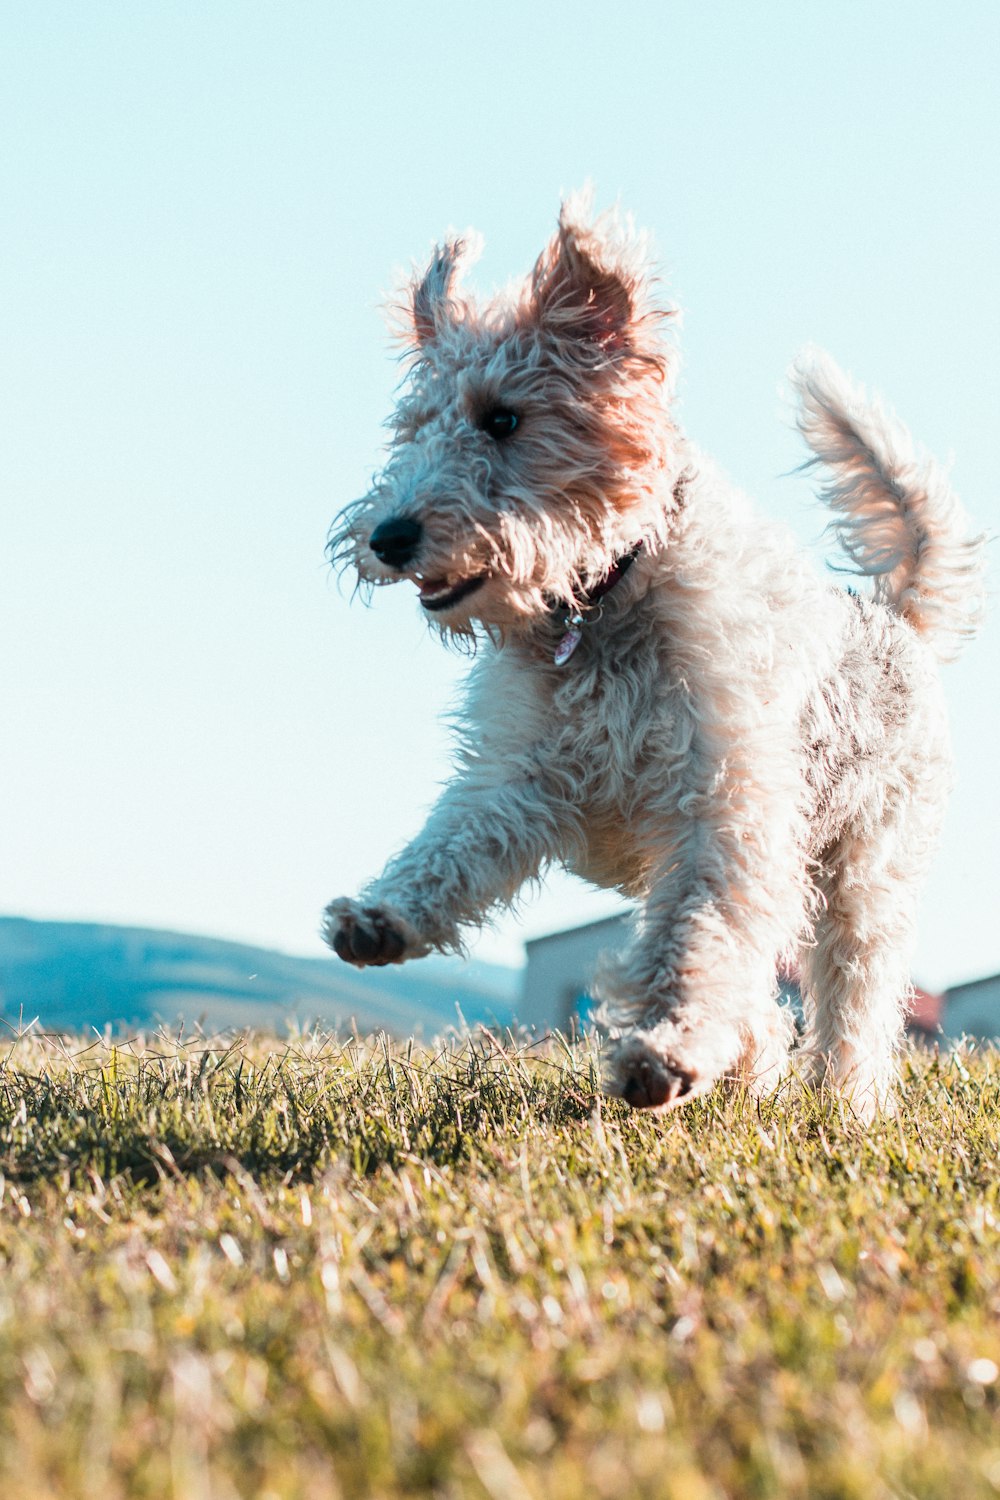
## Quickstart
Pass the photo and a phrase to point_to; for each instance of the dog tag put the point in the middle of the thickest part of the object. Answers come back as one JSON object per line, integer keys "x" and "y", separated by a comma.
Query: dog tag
{"x": 569, "y": 642}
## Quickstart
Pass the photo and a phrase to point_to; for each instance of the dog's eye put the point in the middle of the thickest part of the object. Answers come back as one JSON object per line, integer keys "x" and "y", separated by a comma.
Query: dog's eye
{"x": 499, "y": 422}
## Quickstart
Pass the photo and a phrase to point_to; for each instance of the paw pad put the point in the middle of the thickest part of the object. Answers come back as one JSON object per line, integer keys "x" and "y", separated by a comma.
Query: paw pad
{"x": 364, "y": 936}
{"x": 650, "y": 1085}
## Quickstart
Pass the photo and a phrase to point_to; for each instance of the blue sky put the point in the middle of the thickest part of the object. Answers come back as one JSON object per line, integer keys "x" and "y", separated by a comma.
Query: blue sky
{"x": 202, "y": 206}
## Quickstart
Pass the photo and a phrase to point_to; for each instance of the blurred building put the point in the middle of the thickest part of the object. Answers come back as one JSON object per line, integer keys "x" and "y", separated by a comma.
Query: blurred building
{"x": 560, "y": 969}
{"x": 973, "y": 1010}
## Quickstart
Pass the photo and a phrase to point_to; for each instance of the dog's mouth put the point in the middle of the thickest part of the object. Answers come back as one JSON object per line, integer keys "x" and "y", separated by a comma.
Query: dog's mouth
{"x": 442, "y": 593}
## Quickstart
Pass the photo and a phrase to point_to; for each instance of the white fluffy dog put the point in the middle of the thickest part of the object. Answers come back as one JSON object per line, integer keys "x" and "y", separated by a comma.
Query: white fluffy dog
{"x": 666, "y": 699}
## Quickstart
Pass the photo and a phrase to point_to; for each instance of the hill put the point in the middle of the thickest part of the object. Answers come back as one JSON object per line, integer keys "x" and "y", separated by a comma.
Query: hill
{"x": 73, "y": 976}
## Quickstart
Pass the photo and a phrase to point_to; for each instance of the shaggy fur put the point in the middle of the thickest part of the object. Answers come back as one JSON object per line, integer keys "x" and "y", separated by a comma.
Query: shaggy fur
{"x": 758, "y": 759}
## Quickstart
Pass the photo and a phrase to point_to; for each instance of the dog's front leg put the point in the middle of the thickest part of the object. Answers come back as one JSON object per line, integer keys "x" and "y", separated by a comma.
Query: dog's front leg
{"x": 478, "y": 847}
{"x": 694, "y": 996}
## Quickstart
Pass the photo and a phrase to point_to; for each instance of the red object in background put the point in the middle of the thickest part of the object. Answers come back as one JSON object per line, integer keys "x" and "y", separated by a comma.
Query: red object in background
{"x": 925, "y": 1011}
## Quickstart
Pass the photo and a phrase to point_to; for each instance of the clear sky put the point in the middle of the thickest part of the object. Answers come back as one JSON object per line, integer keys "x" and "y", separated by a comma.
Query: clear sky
{"x": 201, "y": 207}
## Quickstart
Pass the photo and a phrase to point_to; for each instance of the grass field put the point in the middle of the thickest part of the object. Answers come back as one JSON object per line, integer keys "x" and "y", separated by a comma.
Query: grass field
{"x": 308, "y": 1269}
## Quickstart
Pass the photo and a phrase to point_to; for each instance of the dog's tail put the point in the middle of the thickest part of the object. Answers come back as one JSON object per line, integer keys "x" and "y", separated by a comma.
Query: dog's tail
{"x": 895, "y": 514}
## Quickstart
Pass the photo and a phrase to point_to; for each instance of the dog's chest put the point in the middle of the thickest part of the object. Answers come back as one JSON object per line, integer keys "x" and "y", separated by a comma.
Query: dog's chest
{"x": 601, "y": 721}
{"x": 615, "y": 744}
{"x": 609, "y": 725}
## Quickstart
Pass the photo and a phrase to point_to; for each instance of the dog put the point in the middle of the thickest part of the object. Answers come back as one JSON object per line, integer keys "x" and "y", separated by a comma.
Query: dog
{"x": 666, "y": 698}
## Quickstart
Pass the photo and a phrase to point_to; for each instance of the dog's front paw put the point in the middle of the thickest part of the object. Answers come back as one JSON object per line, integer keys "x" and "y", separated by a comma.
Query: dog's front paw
{"x": 644, "y": 1079}
{"x": 370, "y": 935}
{"x": 663, "y": 1067}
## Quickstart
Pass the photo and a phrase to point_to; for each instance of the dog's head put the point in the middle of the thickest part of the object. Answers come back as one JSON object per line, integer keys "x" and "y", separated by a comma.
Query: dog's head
{"x": 532, "y": 445}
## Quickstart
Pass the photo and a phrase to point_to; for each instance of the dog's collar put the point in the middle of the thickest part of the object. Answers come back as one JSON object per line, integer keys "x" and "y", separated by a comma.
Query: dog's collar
{"x": 575, "y": 618}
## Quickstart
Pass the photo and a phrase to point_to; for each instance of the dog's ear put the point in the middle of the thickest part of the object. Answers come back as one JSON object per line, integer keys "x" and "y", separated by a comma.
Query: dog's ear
{"x": 432, "y": 301}
{"x": 580, "y": 287}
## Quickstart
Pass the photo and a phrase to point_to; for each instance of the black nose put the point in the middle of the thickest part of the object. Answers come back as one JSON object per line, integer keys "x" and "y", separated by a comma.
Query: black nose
{"x": 394, "y": 542}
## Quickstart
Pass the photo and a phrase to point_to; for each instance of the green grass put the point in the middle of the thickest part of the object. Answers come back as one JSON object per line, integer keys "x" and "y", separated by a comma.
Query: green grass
{"x": 313, "y": 1269}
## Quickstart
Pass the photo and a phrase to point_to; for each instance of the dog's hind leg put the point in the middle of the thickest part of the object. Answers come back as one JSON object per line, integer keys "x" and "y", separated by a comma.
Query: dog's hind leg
{"x": 856, "y": 975}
